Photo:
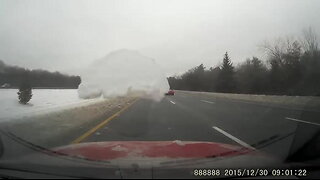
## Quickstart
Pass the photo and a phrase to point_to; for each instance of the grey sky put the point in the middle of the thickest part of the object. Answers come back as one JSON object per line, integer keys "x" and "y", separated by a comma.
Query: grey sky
{"x": 65, "y": 35}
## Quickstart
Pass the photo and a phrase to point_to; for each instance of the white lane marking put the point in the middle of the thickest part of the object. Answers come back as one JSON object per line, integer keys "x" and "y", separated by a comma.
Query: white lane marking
{"x": 207, "y": 101}
{"x": 293, "y": 119}
{"x": 233, "y": 138}
{"x": 172, "y": 102}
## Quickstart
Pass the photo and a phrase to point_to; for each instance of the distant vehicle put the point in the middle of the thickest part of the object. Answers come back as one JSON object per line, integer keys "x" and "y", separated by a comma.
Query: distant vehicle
{"x": 170, "y": 92}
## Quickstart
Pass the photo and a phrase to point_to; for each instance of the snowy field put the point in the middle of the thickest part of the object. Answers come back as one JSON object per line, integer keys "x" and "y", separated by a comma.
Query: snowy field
{"x": 121, "y": 73}
{"x": 43, "y": 101}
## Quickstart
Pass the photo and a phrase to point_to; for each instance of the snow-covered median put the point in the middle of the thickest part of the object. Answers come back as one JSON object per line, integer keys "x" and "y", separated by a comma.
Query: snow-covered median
{"x": 62, "y": 126}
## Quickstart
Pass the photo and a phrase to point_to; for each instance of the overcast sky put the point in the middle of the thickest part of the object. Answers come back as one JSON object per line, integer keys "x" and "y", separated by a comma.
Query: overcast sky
{"x": 64, "y": 35}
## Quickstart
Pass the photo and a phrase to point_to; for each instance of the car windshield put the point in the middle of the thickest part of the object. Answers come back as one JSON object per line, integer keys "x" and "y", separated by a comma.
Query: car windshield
{"x": 159, "y": 88}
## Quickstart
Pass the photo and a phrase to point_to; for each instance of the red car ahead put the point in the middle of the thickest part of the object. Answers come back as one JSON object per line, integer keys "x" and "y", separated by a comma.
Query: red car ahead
{"x": 170, "y": 92}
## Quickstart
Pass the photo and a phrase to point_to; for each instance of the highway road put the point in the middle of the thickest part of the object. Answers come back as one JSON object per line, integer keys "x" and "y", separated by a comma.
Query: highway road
{"x": 188, "y": 116}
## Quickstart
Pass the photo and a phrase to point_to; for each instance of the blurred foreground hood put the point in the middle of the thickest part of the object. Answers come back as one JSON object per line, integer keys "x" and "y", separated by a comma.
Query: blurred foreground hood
{"x": 135, "y": 159}
{"x": 150, "y": 149}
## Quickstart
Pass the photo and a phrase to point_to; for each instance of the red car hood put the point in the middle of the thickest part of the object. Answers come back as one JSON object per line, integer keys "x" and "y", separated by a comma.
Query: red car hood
{"x": 150, "y": 149}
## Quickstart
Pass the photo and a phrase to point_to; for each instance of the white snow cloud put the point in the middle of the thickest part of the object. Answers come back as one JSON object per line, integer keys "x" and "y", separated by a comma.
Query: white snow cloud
{"x": 121, "y": 73}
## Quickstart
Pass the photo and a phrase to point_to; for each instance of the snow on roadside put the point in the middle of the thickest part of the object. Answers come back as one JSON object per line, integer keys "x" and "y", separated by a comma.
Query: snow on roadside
{"x": 43, "y": 101}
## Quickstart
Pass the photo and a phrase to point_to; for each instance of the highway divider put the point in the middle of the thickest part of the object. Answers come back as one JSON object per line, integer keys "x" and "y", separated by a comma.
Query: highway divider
{"x": 311, "y": 103}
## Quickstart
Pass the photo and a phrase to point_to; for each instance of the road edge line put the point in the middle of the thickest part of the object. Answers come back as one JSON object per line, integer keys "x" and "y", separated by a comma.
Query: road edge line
{"x": 100, "y": 125}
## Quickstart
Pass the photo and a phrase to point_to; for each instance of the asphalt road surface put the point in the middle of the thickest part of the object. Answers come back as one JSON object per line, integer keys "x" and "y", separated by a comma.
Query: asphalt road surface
{"x": 196, "y": 117}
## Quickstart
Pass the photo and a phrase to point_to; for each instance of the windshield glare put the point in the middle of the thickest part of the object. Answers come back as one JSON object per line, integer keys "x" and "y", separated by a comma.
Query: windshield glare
{"x": 159, "y": 89}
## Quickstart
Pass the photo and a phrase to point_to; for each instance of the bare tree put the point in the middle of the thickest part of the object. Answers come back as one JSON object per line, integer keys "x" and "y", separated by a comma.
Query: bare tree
{"x": 278, "y": 50}
{"x": 310, "y": 42}
{"x": 274, "y": 50}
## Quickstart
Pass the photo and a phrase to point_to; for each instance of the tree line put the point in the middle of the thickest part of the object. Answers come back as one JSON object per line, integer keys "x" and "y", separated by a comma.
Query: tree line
{"x": 292, "y": 67}
{"x": 15, "y": 76}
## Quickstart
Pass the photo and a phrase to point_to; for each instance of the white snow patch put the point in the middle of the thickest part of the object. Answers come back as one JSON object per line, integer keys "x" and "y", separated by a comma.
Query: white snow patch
{"x": 98, "y": 134}
{"x": 119, "y": 148}
{"x": 123, "y": 72}
{"x": 180, "y": 143}
{"x": 135, "y": 153}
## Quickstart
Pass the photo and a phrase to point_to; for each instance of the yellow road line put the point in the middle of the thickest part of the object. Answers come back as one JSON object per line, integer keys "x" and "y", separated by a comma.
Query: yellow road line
{"x": 91, "y": 131}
